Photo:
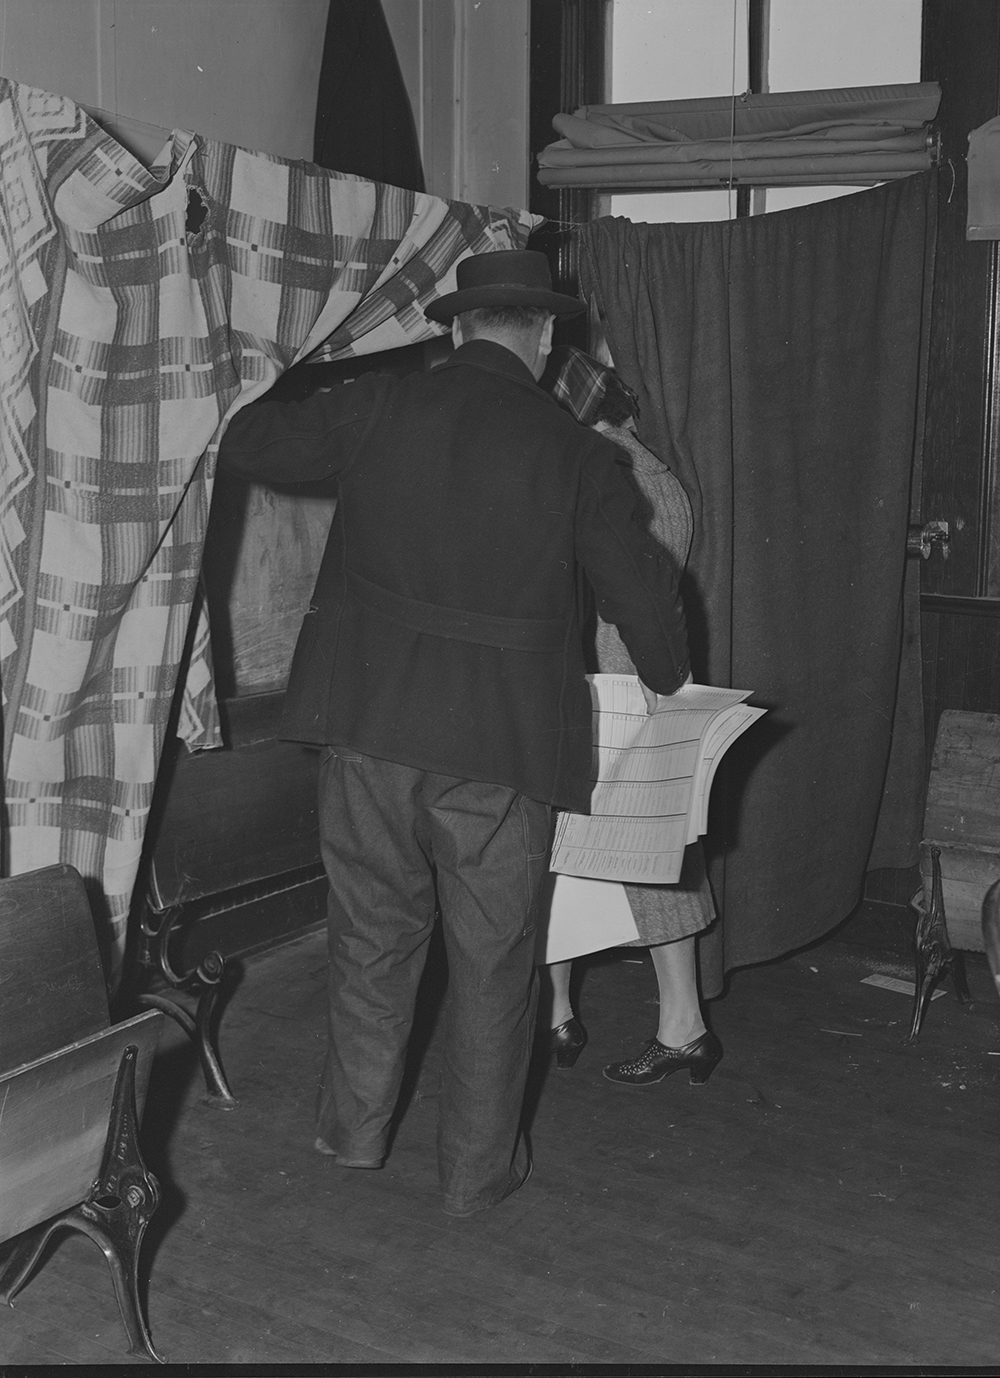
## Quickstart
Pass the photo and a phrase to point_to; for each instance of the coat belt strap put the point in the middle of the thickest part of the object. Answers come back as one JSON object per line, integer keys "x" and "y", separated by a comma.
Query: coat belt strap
{"x": 509, "y": 633}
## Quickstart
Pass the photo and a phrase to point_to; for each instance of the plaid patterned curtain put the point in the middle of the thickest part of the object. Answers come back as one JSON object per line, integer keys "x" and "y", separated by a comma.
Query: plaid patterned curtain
{"x": 129, "y": 333}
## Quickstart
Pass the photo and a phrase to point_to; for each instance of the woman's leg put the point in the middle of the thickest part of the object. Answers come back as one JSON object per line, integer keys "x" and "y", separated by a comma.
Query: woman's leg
{"x": 681, "y": 1020}
{"x": 681, "y": 1039}
{"x": 562, "y": 1009}
{"x": 567, "y": 1038}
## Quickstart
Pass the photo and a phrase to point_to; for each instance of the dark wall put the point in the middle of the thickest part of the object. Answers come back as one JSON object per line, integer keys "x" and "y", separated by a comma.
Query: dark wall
{"x": 961, "y": 479}
{"x": 568, "y": 49}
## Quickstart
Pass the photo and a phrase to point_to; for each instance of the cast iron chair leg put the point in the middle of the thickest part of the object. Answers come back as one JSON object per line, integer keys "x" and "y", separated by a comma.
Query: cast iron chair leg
{"x": 933, "y": 953}
{"x": 959, "y": 979}
{"x": 926, "y": 980}
{"x": 991, "y": 930}
{"x": 198, "y": 1029}
{"x": 114, "y": 1215}
{"x": 21, "y": 1260}
{"x": 208, "y": 979}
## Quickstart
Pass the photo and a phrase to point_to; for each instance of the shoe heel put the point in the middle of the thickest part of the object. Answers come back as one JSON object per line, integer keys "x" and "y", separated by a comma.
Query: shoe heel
{"x": 567, "y": 1042}
{"x": 699, "y": 1075}
{"x": 705, "y": 1060}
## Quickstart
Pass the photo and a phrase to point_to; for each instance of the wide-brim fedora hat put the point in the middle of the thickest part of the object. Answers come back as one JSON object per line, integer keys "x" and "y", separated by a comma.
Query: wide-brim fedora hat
{"x": 506, "y": 277}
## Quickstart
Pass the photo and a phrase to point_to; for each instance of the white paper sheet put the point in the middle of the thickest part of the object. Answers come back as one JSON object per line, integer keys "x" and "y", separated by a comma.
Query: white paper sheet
{"x": 653, "y": 774}
{"x": 584, "y": 916}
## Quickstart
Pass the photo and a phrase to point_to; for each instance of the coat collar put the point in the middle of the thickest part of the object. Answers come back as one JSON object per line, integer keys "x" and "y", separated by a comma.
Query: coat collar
{"x": 494, "y": 358}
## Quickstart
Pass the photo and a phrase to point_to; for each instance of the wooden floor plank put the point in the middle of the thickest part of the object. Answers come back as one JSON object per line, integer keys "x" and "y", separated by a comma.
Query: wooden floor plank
{"x": 826, "y": 1198}
{"x": 411, "y": 1289}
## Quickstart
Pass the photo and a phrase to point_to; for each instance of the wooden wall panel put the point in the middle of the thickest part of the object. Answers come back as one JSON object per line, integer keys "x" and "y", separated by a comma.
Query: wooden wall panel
{"x": 244, "y": 71}
{"x": 465, "y": 66}
{"x": 962, "y": 663}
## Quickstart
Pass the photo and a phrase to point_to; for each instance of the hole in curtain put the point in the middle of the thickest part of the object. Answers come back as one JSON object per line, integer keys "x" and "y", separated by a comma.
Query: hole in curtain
{"x": 197, "y": 212}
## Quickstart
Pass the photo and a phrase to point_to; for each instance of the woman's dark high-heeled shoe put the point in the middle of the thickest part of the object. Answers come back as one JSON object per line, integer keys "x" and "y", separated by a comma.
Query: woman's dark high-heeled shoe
{"x": 658, "y": 1061}
{"x": 567, "y": 1042}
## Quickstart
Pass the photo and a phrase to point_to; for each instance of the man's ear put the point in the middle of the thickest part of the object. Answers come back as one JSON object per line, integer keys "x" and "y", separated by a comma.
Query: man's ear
{"x": 456, "y": 332}
{"x": 545, "y": 347}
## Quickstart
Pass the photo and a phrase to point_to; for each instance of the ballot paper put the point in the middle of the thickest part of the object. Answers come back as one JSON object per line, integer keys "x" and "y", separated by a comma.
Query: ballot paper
{"x": 653, "y": 775}
{"x": 583, "y": 916}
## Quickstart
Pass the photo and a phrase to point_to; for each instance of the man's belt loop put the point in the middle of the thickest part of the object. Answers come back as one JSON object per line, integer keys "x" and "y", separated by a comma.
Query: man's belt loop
{"x": 507, "y": 633}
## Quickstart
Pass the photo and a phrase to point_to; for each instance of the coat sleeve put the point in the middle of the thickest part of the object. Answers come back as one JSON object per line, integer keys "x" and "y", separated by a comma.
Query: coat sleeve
{"x": 636, "y": 581}
{"x": 299, "y": 442}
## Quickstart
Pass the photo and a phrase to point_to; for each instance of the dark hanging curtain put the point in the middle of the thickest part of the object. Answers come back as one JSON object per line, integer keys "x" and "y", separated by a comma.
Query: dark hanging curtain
{"x": 364, "y": 121}
{"x": 778, "y": 361}
{"x": 364, "y": 125}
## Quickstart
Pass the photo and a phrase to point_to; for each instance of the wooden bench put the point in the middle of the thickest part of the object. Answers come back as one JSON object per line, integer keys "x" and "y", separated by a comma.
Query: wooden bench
{"x": 231, "y": 861}
{"x": 959, "y": 854}
{"x": 962, "y": 818}
{"x": 72, "y": 1088}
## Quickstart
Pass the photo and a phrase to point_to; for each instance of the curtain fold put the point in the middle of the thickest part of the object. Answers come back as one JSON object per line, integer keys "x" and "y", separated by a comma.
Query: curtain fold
{"x": 853, "y": 136}
{"x": 778, "y": 365}
{"x": 138, "y": 309}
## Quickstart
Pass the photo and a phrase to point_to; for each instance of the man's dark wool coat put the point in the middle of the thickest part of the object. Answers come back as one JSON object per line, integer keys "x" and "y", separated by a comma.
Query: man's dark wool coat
{"x": 444, "y": 631}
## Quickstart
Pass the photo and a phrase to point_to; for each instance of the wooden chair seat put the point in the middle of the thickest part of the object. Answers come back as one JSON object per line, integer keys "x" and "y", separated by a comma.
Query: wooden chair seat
{"x": 72, "y": 1088}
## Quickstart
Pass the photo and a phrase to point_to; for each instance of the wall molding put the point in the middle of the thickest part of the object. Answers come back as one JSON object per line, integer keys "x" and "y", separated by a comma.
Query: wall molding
{"x": 958, "y": 605}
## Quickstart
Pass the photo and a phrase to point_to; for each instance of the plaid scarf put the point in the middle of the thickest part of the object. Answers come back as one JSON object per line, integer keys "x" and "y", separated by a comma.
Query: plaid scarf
{"x": 578, "y": 382}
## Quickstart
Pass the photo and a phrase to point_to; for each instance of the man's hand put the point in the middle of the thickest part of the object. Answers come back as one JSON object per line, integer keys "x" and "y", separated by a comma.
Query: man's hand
{"x": 653, "y": 699}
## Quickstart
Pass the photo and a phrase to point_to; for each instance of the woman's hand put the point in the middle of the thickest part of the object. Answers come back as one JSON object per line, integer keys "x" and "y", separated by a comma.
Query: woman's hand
{"x": 653, "y": 699}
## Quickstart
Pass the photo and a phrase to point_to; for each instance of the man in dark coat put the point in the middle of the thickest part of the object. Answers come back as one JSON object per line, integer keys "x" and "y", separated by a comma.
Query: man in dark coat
{"x": 441, "y": 667}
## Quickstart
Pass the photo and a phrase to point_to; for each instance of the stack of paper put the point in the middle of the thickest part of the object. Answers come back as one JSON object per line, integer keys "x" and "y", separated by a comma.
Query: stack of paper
{"x": 653, "y": 776}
